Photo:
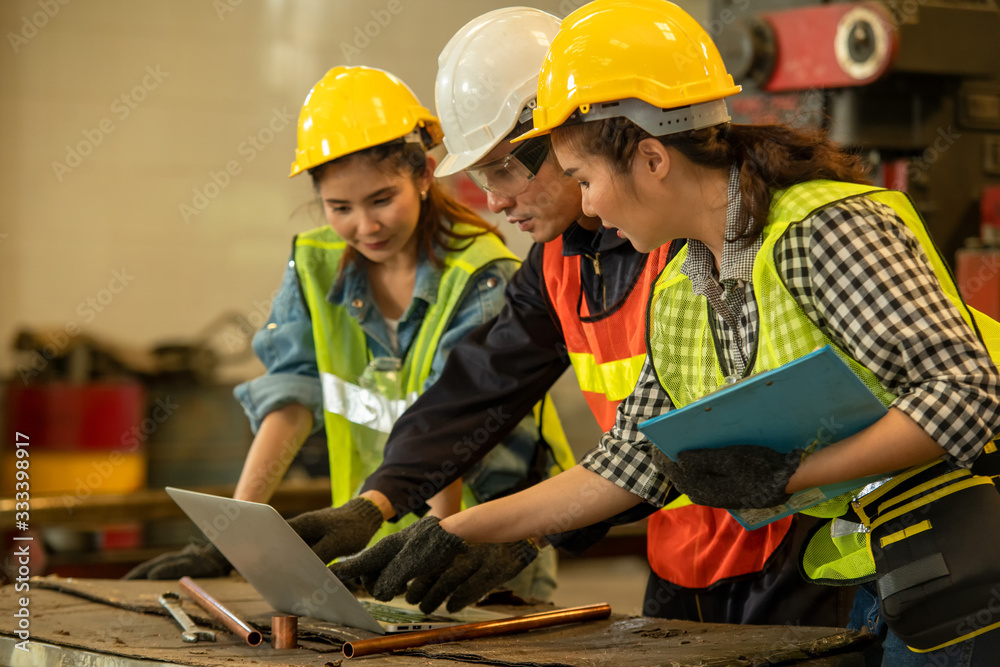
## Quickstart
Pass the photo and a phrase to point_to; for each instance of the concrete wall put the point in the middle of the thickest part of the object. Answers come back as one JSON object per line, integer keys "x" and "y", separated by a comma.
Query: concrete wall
{"x": 118, "y": 122}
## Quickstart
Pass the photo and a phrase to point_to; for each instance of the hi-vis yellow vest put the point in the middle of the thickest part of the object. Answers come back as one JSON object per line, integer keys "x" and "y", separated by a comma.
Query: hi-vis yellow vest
{"x": 684, "y": 353}
{"x": 358, "y": 421}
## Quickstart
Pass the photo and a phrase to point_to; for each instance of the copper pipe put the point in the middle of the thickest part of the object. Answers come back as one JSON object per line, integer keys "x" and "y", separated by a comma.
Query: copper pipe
{"x": 215, "y": 608}
{"x": 504, "y": 626}
{"x": 285, "y": 631}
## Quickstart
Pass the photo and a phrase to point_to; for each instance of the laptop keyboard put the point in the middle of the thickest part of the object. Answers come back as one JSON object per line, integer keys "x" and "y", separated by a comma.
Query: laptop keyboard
{"x": 383, "y": 612}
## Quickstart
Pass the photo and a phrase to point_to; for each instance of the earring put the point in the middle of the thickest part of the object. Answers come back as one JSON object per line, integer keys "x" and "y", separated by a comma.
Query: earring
{"x": 423, "y": 196}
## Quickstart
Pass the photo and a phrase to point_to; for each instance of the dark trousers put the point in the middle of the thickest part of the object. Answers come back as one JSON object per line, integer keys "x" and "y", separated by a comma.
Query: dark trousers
{"x": 776, "y": 596}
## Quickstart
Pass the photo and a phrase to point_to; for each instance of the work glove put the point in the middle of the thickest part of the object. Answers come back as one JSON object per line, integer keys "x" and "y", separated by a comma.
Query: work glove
{"x": 423, "y": 549}
{"x": 471, "y": 576}
{"x": 339, "y": 531}
{"x": 329, "y": 532}
{"x": 735, "y": 477}
{"x": 194, "y": 560}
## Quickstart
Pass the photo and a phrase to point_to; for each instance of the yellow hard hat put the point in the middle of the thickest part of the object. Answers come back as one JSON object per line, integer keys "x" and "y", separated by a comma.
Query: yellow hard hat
{"x": 647, "y": 50}
{"x": 353, "y": 108}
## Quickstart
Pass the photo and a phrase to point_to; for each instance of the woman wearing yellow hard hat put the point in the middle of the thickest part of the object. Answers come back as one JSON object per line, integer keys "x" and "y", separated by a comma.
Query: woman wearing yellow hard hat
{"x": 789, "y": 248}
{"x": 370, "y": 305}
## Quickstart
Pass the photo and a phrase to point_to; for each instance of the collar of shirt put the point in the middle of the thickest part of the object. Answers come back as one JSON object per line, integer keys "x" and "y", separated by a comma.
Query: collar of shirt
{"x": 580, "y": 241}
{"x": 737, "y": 257}
{"x": 353, "y": 291}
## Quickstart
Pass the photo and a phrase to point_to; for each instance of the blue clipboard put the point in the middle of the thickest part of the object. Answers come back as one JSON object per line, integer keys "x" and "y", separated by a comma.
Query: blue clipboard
{"x": 811, "y": 402}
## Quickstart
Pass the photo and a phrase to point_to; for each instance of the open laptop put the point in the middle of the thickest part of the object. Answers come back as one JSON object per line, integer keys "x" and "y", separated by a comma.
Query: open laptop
{"x": 284, "y": 570}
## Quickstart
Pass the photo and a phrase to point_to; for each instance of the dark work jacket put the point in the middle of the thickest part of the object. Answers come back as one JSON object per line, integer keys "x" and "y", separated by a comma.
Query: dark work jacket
{"x": 494, "y": 377}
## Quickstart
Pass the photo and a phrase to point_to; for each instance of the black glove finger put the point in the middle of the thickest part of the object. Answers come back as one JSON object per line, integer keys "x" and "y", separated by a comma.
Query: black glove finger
{"x": 351, "y": 524}
{"x": 444, "y": 585}
{"x": 478, "y": 585}
{"x": 331, "y": 547}
{"x": 418, "y": 588}
{"x": 404, "y": 567}
{"x": 501, "y": 563}
{"x": 369, "y": 562}
{"x": 428, "y": 550}
{"x": 191, "y": 566}
{"x": 386, "y": 588}
{"x": 194, "y": 560}
{"x": 306, "y": 529}
{"x": 395, "y": 576}
{"x": 369, "y": 581}
{"x": 141, "y": 571}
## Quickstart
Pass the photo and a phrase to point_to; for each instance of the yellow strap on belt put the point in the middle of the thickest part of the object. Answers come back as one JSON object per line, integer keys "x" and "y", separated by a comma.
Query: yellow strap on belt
{"x": 923, "y": 500}
{"x": 909, "y": 531}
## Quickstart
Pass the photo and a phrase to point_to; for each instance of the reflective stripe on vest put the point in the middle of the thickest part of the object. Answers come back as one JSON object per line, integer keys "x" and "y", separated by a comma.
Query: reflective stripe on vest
{"x": 683, "y": 349}
{"x": 342, "y": 355}
{"x": 360, "y": 406}
{"x": 607, "y": 352}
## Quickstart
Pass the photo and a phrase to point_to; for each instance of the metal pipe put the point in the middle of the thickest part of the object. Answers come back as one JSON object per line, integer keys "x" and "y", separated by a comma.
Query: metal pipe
{"x": 214, "y": 607}
{"x": 505, "y": 626}
{"x": 285, "y": 631}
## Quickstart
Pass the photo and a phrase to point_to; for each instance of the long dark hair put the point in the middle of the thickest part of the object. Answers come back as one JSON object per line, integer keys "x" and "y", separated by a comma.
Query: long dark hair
{"x": 770, "y": 157}
{"x": 409, "y": 158}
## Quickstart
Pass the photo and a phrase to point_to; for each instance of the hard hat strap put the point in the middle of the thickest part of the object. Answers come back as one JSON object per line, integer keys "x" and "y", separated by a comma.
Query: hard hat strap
{"x": 418, "y": 136}
{"x": 658, "y": 122}
{"x": 529, "y": 108}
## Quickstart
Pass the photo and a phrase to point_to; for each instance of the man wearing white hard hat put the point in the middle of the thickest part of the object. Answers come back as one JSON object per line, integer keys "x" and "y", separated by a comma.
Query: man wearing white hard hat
{"x": 579, "y": 299}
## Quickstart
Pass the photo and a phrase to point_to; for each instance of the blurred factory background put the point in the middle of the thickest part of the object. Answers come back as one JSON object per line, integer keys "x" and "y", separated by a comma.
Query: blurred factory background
{"x": 147, "y": 214}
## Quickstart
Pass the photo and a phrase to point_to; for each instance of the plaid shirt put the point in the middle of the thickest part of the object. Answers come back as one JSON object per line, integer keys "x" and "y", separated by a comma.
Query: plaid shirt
{"x": 854, "y": 268}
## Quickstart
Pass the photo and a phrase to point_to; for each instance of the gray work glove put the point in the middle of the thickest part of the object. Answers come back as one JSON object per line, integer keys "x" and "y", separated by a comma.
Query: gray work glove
{"x": 423, "y": 549}
{"x": 735, "y": 477}
{"x": 194, "y": 560}
{"x": 471, "y": 576}
{"x": 339, "y": 531}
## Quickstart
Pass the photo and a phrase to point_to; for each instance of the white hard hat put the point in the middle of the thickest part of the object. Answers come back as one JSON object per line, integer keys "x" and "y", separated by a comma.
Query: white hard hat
{"x": 487, "y": 76}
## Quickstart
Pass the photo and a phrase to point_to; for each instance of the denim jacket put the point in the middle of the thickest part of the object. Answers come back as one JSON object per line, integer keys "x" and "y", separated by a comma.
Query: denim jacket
{"x": 285, "y": 347}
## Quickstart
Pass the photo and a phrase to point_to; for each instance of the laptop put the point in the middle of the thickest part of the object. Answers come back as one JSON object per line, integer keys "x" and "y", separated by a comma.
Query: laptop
{"x": 289, "y": 575}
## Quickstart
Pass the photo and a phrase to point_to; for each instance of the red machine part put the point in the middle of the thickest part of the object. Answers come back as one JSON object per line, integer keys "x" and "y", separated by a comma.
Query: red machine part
{"x": 989, "y": 208}
{"x": 895, "y": 174}
{"x": 978, "y": 269}
{"x": 58, "y": 416}
{"x": 830, "y": 46}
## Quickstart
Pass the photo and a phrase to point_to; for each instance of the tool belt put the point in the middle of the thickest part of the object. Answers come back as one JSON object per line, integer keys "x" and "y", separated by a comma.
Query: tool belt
{"x": 935, "y": 539}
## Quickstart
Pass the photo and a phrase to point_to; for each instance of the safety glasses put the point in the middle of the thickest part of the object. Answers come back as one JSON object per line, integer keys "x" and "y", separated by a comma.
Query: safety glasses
{"x": 510, "y": 175}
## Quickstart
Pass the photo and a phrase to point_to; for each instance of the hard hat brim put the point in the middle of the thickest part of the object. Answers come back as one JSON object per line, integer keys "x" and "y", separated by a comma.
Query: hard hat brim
{"x": 452, "y": 163}
{"x": 530, "y": 134}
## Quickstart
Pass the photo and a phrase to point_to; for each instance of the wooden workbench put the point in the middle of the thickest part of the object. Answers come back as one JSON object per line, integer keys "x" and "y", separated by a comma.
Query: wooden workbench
{"x": 100, "y": 623}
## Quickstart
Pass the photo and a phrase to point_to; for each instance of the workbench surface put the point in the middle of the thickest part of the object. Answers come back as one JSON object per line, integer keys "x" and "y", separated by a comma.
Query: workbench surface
{"x": 81, "y": 620}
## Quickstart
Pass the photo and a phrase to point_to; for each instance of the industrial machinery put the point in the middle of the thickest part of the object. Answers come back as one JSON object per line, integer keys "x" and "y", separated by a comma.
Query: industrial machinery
{"x": 913, "y": 84}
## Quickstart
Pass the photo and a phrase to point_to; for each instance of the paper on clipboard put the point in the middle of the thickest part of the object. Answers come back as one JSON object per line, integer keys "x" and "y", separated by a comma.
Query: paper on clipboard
{"x": 811, "y": 402}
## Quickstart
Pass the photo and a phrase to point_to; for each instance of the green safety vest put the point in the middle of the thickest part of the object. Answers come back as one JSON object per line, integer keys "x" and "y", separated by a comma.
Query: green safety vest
{"x": 684, "y": 353}
{"x": 358, "y": 421}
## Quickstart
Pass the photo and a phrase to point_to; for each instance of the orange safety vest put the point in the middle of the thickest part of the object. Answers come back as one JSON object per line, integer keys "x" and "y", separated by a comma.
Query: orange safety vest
{"x": 689, "y": 545}
{"x": 607, "y": 352}
{"x": 695, "y": 546}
